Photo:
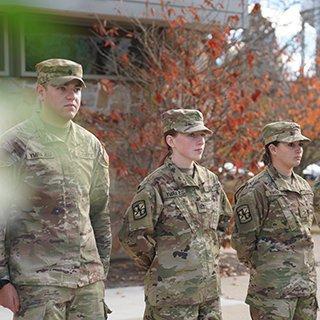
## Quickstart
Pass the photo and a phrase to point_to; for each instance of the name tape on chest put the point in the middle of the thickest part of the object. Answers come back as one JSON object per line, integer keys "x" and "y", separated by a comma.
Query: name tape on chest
{"x": 36, "y": 155}
{"x": 175, "y": 193}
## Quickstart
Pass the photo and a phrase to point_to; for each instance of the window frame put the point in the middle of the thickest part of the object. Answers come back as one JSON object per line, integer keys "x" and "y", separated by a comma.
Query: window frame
{"x": 55, "y": 20}
{"x": 5, "y": 71}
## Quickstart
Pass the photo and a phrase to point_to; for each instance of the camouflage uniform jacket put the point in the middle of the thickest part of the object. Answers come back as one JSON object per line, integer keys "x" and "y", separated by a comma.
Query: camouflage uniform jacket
{"x": 55, "y": 229}
{"x": 272, "y": 236}
{"x": 171, "y": 229}
{"x": 316, "y": 200}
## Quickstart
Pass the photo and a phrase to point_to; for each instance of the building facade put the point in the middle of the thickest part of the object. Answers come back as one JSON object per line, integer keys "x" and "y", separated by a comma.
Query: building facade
{"x": 34, "y": 30}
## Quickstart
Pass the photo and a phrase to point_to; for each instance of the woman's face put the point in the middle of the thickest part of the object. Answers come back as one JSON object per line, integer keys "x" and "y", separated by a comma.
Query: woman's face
{"x": 187, "y": 147}
{"x": 287, "y": 155}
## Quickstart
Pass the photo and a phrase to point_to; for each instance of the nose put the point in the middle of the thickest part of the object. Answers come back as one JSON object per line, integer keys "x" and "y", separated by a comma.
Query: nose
{"x": 70, "y": 94}
{"x": 201, "y": 140}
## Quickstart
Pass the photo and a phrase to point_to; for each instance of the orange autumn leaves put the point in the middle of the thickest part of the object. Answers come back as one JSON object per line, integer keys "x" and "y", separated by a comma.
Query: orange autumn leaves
{"x": 303, "y": 104}
{"x": 187, "y": 65}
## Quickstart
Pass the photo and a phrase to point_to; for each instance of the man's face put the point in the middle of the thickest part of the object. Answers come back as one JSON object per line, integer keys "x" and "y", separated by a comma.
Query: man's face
{"x": 61, "y": 102}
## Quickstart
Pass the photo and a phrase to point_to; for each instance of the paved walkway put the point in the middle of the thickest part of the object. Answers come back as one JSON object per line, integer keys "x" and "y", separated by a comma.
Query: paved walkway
{"x": 127, "y": 303}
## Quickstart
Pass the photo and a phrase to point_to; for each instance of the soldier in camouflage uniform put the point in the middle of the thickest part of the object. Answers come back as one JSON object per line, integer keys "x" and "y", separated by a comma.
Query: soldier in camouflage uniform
{"x": 55, "y": 236}
{"x": 316, "y": 200}
{"x": 172, "y": 226}
{"x": 273, "y": 217}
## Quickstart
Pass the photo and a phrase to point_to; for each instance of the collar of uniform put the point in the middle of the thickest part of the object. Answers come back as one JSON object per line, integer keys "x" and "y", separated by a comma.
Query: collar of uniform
{"x": 182, "y": 179}
{"x": 47, "y": 137}
{"x": 73, "y": 137}
{"x": 281, "y": 183}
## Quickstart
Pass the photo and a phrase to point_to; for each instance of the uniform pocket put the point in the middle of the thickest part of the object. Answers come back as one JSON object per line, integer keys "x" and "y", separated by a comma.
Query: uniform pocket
{"x": 185, "y": 211}
{"x": 208, "y": 213}
{"x": 44, "y": 161}
{"x": 34, "y": 313}
{"x": 306, "y": 207}
{"x": 212, "y": 198}
{"x": 288, "y": 214}
{"x": 281, "y": 210}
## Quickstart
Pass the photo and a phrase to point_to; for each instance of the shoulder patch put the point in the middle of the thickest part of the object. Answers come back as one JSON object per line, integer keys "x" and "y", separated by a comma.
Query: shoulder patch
{"x": 244, "y": 214}
{"x": 139, "y": 209}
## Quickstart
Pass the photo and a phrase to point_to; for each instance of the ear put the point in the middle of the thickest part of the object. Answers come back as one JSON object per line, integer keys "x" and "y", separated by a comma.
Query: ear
{"x": 40, "y": 89}
{"x": 170, "y": 140}
{"x": 272, "y": 149}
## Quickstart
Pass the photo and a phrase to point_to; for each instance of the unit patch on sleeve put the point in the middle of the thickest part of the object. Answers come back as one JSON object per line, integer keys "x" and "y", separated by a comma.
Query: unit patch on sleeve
{"x": 244, "y": 214}
{"x": 139, "y": 209}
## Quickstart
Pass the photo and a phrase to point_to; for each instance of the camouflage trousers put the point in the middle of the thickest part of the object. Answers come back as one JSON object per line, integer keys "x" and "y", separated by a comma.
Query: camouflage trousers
{"x": 210, "y": 310}
{"x": 61, "y": 303}
{"x": 263, "y": 308}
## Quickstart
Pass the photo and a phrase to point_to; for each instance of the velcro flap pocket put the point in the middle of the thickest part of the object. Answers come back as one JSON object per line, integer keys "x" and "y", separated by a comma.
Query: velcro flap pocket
{"x": 289, "y": 215}
{"x": 186, "y": 214}
{"x": 35, "y": 312}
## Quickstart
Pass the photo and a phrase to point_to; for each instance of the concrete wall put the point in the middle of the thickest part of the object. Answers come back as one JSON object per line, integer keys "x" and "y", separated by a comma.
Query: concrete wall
{"x": 124, "y": 9}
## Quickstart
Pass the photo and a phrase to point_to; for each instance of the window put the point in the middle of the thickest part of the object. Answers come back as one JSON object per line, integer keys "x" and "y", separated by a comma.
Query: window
{"x": 43, "y": 39}
{"x": 4, "y": 55}
{"x": 119, "y": 46}
{"x": 29, "y": 38}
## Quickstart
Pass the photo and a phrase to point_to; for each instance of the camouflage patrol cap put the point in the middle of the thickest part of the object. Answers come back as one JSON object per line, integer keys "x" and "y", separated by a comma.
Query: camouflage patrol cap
{"x": 184, "y": 121}
{"x": 282, "y": 131}
{"x": 58, "y": 72}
